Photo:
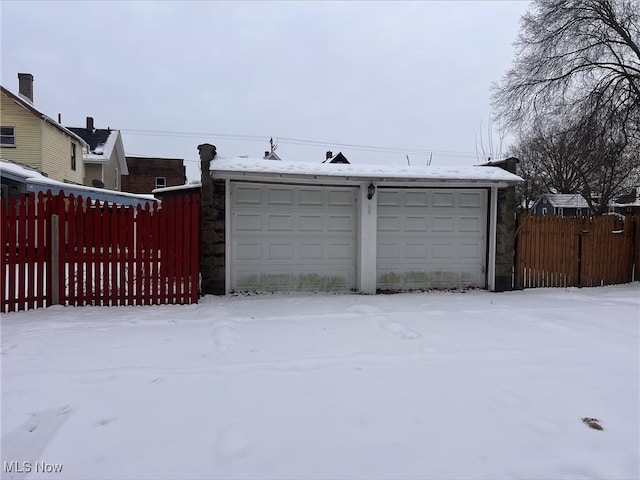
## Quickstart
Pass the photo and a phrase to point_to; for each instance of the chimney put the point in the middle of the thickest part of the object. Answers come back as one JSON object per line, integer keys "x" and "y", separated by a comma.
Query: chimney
{"x": 25, "y": 86}
{"x": 90, "y": 124}
{"x": 266, "y": 154}
{"x": 329, "y": 155}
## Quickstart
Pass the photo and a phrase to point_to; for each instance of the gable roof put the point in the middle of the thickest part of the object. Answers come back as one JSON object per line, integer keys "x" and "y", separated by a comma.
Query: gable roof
{"x": 565, "y": 200}
{"x": 103, "y": 143}
{"x": 36, "y": 113}
{"x": 338, "y": 158}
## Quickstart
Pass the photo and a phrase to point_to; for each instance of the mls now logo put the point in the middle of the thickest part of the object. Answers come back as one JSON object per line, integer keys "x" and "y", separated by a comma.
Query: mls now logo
{"x": 28, "y": 467}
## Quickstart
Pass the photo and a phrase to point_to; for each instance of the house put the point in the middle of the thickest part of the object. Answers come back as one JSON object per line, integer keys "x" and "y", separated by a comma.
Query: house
{"x": 294, "y": 226}
{"x": 271, "y": 154}
{"x": 148, "y": 173}
{"x": 628, "y": 204}
{"x": 104, "y": 160}
{"x": 561, "y": 204}
{"x": 17, "y": 179}
{"x": 32, "y": 138}
{"x": 339, "y": 158}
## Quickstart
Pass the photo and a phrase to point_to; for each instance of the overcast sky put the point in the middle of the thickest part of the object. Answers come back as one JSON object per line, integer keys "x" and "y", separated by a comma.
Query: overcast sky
{"x": 412, "y": 77}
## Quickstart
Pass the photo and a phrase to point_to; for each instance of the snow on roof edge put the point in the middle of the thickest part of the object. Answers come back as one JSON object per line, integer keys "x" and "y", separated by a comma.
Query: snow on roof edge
{"x": 260, "y": 166}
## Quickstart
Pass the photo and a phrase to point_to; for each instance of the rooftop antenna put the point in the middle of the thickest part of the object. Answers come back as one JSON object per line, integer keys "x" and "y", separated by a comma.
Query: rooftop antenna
{"x": 272, "y": 145}
{"x": 430, "y": 158}
{"x": 407, "y": 157}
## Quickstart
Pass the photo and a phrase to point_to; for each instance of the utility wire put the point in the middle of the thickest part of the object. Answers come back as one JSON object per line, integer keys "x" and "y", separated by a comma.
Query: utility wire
{"x": 303, "y": 142}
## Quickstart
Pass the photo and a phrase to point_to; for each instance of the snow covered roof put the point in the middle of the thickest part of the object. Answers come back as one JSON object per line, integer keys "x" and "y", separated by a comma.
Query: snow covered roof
{"x": 254, "y": 168}
{"x": 35, "y": 181}
{"x": 566, "y": 200}
{"x": 103, "y": 143}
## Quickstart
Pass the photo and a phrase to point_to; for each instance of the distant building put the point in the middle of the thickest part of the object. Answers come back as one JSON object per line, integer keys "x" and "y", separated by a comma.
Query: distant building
{"x": 339, "y": 158}
{"x": 104, "y": 161}
{"x": 561, "y": 204}
{"x": 148, "y": 173}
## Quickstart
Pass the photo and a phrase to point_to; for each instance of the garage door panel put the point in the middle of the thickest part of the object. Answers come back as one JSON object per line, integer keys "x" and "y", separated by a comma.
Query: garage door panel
{"x": 311, "y": 223}
{"x": 280, "y": 251}
{"x": 443, "y": 224}
{"x": 311, "y": 251}
{"x": 295, "y": 238}
{"x": 470, "y": 224}
{"x": 470, "y": 251}
{"x": 248, "y": 222}
{"x": 441, "y": 199}
{"x": 280, "y": 196}
{"x": 340, "y": 223}
{"x": 311, "y": 197}
{"x": 388, "y": 223}
{"x": 470, "y": 200}
{"x": 449, "y": 253}
{"x": 249, "y": 251}
{"x": 415, "y": 199}
{"x": 341, "y": 198}
{"x": 340, "y": 251}
{"x": 415, "y": 251}
{"x": 279, "y": 222}
{"x": 415, "y": 223}
{"x": 248, "y": 195}
{"x": 388, "y": 198}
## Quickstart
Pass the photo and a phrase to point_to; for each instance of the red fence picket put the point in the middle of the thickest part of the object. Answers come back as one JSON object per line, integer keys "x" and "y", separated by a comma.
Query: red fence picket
{"x": 107, "y": 254}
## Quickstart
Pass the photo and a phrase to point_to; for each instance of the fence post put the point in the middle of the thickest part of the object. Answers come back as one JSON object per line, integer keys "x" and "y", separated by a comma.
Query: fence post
{"x": 54, "y": 264}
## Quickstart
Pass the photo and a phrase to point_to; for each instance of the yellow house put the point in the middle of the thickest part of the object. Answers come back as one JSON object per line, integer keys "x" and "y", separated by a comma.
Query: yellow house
{"x": 31, "y": 138}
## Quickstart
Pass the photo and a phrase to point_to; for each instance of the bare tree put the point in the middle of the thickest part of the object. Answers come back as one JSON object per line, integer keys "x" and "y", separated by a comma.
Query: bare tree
{"x": 572, "y": 97}
{"x": 491, "y": 148}
{"x": 568, "y": 54}
{"x": 581, "y": 158}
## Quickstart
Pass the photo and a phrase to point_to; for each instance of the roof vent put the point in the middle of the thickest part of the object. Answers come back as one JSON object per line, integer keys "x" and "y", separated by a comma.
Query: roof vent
{"x": 97, "y": 183}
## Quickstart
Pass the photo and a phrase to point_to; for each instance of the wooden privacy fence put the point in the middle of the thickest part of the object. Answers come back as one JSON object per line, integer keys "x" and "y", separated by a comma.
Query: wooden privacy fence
{"x": 556, "y": 251}
{"x": 77, "y": 251}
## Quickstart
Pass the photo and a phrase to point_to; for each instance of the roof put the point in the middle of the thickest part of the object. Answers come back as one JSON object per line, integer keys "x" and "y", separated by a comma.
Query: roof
{"x": 103, "y": 142}
{"x": 566, "y": 200}
{"x": 630, "y": 200}
{"x": 337, "y": 158}
{"x": 30, "y": 108}
{"x": 258, "y": 168}
{"x": 35, "y": 181}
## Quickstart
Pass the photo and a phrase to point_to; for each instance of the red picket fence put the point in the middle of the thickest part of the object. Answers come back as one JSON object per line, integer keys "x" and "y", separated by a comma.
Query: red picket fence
{"x": 77, "y": 251}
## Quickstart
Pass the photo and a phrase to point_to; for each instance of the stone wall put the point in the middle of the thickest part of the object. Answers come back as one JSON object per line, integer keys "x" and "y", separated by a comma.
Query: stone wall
{"x": 505, "y": 230}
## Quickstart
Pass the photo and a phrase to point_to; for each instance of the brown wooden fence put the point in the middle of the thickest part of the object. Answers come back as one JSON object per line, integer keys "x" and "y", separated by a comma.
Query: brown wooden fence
{"x": 76, "y": 251}
{"x": 576, "y": 251}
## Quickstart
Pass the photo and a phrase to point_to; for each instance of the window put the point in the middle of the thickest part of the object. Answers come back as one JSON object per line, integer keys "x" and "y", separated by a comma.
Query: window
{"x": 8, "y": 136}
{"x": 544, "y": 211}
{"x": 73, "y": 156}
{"x": 561, "y": 211}
{"x": 161, "y": 182}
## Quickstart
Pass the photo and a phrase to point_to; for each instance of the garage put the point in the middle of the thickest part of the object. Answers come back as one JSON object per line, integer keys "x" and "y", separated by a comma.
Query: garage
{"x": 304, "y": 226}
{"x": 431, "y": 238}
{"x": 292, "y": 237}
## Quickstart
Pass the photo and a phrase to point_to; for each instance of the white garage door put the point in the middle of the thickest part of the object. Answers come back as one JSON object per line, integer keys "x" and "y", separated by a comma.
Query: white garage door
{"x": 431, "y": 238}
{"x": 292, "y": 237}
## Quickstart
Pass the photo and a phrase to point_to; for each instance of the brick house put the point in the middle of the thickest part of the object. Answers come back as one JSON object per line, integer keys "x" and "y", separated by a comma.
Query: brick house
{"x": 148, "y": 173}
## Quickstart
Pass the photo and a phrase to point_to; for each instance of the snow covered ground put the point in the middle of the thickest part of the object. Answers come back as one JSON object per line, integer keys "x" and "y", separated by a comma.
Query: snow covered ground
{"x": 474, "y": 385}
